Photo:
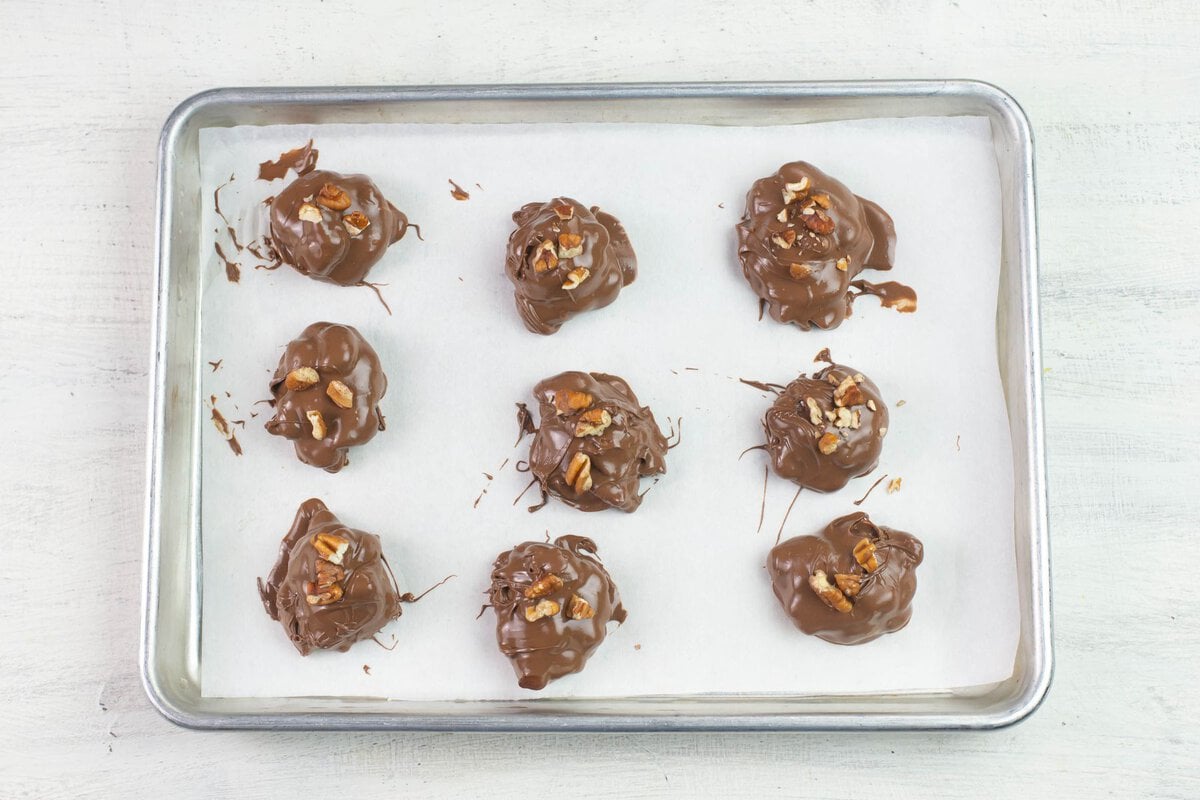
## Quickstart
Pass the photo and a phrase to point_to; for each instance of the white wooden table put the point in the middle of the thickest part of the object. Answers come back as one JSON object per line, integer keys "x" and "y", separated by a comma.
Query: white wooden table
{"x": 1112, "y": 90}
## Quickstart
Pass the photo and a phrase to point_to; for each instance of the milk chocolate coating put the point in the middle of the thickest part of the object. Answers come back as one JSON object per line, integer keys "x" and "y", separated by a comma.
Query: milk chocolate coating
{"x": 794, "y": 440}
{"x": 553, "y": 645}
{"x": 542, "y": 301}
{"x": 884, "y": 601}
{"x": 336, "y": 352}
{"x": 852, "y": 228}
{"x": 327, "y": 250}
{"x": 369, "y": 598}
{"x": 631, "y": 446}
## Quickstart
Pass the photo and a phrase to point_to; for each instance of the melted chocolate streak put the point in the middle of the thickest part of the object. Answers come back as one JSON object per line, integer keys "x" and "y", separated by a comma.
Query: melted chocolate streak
{"x": 891, "y": 294}
{"x": 233, "y": 270}
{"x": 222, "y": 426}
{"x": 860, "y": 500}
{"x": 303, "y": 160}
{"x": 457, "y": 192}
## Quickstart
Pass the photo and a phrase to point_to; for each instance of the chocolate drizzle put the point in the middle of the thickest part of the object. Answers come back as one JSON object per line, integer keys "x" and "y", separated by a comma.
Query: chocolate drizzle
{"x": 337, "y": 353}
{"x": 558, "y": 282}
{"x": 369, "y": 598}
{"x": 559, "y": 574}
{"x": 799, "y": 435}
{"x": 326, "y": 246}
{"x": 302, "y": 160}
{"x": 628, "y": 447}
{"x": 883, "y": 601}
{"x": 891, "y": 294}
{"x": 803, "y": 239}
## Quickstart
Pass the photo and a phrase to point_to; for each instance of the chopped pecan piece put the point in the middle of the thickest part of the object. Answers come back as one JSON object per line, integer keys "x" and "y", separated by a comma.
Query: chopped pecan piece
{"x": 545, "y": 585}
{"x": 318, "y": 424}
{"x": 330, "y": 546}
{"x": 330, "y": 595}
{"x": 544, "y": 608}
{"x": 576, "y": 277}
{"x": 580, "y": 608}
{"x": 593, "y": 422}
{"x": 340, "y": 394}
{"x": 850, "y": 585}
{"x": 355, "y": 223}
{"x": 570, "y": 401}
{"x": 579, "y": 473}
{"x": 831, "y": 595}
{"x": 828, "y": 443}
{"x": 569, "y": 245}
{"x": 333, "y": 197}
{"x": 300, "y": 379}
{"x": 864, "y": 554}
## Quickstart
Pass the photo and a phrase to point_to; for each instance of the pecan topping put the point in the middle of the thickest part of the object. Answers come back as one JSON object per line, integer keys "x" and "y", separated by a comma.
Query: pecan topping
{"x": 333, "y": 197}
{"x": 894, "y": 485}
{"x": 799, "y": 271}
{"x": 784, "y": 239}
{"x": 571, "y": 401}
{"x": 843, "y": 263}
{"x": 579, "y": 473}
{"x": 547, "y": 584}
{"x": 330, "y": 546}
{"x": 544, "y": 608}
{"x": 318, "y": 424}
{"x": 544, "y": 258}
{"x": 564, "y": 211}
{"x": 850, "y": 585}
{"x": 300, "y": 379}
{"x": 355, "y": 223}
{"x": 309, "y": 213}
{"x": 819, "y": 222}
{"x": 330, "y": 595}
{"x": 814, "y": 411}
{"x": 340, "y": 394}
{"x": 828, "y": 443}
{"x": 864, "y": 554}
{"x": 793, "y": 190}
{"x": 580, "y": 608}
{"x": 822, "y": 200}
{"x": 570, "y": 245}
{"x": 848, "y": 394}
{"x": 593, "y": 423}
{"x": 576, "y": 277}
{"x": 831, "y": 595}
{"x": 871, "y": 405}
{"x": 328, "y": 574}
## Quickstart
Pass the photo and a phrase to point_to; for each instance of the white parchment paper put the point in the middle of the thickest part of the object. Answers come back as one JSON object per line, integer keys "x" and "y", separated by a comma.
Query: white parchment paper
{"x": 689, "y": 563}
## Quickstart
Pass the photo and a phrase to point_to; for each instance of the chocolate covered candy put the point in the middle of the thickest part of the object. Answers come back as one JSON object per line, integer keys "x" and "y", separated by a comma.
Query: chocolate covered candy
{"x": 564, "y": 259}
{"x": 594, "y": 442}
{"x": 327, "y": 389}
{"x": 850, "y": 584}
{"x": 334, "y": 227}
{"x": 803, "y": 239}
{"x": 824, "y": 430}
{"x": 331, "y": 585}
{"x": 553, "y": 602}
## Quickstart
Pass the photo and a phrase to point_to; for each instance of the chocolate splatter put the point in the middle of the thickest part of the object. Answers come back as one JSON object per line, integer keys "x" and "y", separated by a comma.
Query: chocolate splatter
{"x": 216, "y": 365}
{"x": 303, "y": 160}
{"x": 271, "y": 259}
{"x": 823, "y": 356}
{"x": 891, "y": 294}
{"x": 457, "y": 192}
{"x": 232, "y": 271}
{"x": 773, "y": 388}
{"x": 524, "y": 423}
{"x": 860, "y": 500}
{"x": 375, "y": 288}
{"x": 223, "y": 428}
{"x": 367, "y": 669}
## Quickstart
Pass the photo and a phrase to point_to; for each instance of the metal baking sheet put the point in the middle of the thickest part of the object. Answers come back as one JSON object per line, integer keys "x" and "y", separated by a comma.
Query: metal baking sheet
{"x": 171, "y": 652}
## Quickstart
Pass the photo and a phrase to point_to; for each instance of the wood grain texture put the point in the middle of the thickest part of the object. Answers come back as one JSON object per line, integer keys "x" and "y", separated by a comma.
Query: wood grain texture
{"x": 1112, "y": 91}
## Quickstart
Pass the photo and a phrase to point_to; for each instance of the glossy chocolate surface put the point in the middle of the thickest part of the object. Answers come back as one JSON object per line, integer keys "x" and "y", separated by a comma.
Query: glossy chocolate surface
{"x": 320, "y": 236}
{"x": 326, "y": 599}
{"x": 803, "y": 239}
{"x": 541, "y": 626}
{"x": 597, "y": 417}
{"x": 874, "y": 601}
{"x": 338, "y": 353}
{"x": 820, "y": 437}
{"x": 556, "y": 278}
